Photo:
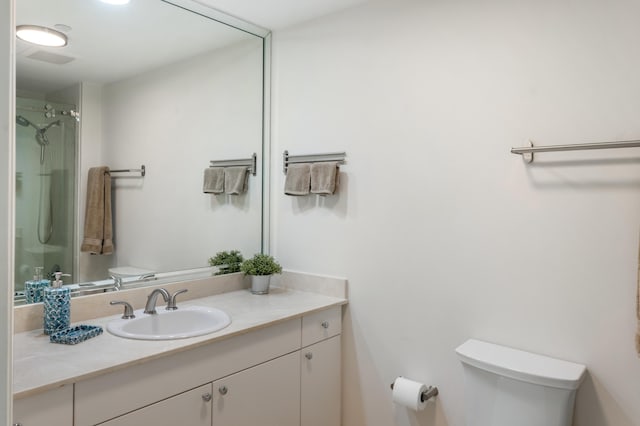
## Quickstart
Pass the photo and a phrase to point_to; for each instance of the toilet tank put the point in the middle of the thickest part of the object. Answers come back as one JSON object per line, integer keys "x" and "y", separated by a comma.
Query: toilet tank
{"x": 510, "y": 387}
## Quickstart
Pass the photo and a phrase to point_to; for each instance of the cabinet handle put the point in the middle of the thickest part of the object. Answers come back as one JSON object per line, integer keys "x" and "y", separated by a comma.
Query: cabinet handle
{"x": 308, "y": 355}
{"x": 325, "y": 324}
{"x": 223, "y": 390}
{"x": 207, "y": 397}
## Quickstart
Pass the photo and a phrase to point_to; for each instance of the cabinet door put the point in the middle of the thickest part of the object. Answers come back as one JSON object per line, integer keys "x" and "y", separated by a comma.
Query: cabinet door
{"x": 54, "y": 407}
{"x": 191, "y": 408}
{"x": 320, "y": 390}
{"x": 265, "y": 395}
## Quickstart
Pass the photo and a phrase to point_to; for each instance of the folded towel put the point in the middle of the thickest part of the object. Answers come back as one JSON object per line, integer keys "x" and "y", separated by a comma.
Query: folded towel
{"x": 236, "y": 180}
{"x": 98, "y": 226}
{"x": 298, "y": 179}
{"x": 324, "y": 177}
{"x": 213, "y": 180}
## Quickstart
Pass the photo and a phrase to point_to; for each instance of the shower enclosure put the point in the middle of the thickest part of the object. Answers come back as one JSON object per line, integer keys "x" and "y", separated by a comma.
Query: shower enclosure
{"x": 45, "y": 188}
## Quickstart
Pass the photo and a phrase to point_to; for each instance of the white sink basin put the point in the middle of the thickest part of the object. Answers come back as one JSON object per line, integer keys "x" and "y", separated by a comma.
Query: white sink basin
{"x": 184, "y": 322}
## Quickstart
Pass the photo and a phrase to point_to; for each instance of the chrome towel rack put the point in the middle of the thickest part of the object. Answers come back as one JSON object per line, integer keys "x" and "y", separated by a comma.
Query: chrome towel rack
{"x": 142, "y": 170}
{"x": 311, "y": 158}
{"x": 527, "y": 152}
{"x": 250, "y": 163}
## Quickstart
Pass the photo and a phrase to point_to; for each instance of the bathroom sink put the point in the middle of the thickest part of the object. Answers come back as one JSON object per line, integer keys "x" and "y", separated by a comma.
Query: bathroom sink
{"x": 184, "y": 322}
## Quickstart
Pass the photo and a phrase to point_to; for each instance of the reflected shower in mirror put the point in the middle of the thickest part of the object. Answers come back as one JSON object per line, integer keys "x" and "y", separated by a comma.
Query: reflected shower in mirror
{"x": 122, "y": 93}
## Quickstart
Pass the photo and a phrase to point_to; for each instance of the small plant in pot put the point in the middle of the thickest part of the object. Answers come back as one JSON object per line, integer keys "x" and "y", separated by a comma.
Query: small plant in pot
{"x": 260, "y": 267}
{"x": 227, "y": 262}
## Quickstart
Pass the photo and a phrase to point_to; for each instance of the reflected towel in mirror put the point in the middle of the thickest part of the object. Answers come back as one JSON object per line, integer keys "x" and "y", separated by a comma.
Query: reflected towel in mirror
{"x": 298, "y": 180}
{"x": 213, "y": 180}
{"x": 98, "y": 226}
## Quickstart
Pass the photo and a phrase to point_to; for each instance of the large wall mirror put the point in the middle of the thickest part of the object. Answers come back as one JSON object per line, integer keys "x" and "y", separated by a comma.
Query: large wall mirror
{"x": 168, "y": 85}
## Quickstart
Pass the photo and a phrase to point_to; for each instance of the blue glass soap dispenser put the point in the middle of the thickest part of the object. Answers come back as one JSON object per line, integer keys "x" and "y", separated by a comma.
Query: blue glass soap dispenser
{"x": 33, "y": 289}
{"x": 57, "y": 306}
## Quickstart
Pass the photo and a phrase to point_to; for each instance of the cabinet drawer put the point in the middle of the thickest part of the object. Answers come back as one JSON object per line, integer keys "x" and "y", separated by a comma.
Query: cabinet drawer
{"x": 54, "y": 407}
{"x": 321, "y": 325}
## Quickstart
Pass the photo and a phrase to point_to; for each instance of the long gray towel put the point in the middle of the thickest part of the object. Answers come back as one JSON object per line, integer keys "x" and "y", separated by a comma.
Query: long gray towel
{"x": 98, "y": 226}
{"x": 298, "y": 179}
{"x": 213, "y": 180}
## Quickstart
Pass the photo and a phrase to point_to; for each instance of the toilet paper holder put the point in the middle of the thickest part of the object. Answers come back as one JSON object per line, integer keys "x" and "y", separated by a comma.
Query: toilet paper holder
{"x": 426, "y": 395}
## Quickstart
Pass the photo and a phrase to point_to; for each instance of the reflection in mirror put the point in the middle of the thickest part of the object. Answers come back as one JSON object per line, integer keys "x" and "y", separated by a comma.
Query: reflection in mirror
{"x": 147, "y": 83}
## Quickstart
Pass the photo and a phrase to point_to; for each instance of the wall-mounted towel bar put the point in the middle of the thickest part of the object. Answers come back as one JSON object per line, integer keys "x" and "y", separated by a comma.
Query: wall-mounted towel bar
{"x": 311, "y": 158}
{"x": 527, "y": 152}
{"x": 251, "y": 163}
{"x": 142, "y": 170}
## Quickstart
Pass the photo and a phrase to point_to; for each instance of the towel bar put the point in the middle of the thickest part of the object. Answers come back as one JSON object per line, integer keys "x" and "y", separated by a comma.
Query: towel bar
{"x": 142, "y": 170}
{"x": 527, "y": 152}
{"x": 311, "y": 158}
{"x": 251, "y": 163}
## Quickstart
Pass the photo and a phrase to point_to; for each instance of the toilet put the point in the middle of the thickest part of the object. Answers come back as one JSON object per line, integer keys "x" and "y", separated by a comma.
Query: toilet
{"x": 510, "y": 387}
{"x": 128, "y": 271}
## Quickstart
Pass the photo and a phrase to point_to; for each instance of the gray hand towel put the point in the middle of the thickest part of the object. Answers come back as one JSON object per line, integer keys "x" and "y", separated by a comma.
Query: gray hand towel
{"x": 298, "y": 179}
{"x": 213, "y": 180}
{"x": 324, "y": 177}
{"x": 236, "y": 180}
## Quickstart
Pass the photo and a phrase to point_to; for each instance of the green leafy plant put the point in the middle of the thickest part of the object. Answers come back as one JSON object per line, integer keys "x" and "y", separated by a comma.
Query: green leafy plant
{"x": 227, "y": 262}
{"x": 261, "y": 264}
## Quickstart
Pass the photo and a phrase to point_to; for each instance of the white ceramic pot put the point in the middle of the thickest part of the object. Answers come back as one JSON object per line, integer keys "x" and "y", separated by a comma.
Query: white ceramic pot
{"x": 260, "y": 284}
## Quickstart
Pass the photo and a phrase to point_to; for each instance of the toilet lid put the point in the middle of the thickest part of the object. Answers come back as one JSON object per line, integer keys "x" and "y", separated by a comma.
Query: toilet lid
{"x": 129, "y": 271}
{"x": 521, "y": 365}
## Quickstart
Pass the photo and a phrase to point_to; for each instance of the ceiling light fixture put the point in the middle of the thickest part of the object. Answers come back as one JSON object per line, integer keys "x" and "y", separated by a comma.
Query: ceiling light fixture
{"x": 41, "y": 36}
{"x": 117, "y": 2}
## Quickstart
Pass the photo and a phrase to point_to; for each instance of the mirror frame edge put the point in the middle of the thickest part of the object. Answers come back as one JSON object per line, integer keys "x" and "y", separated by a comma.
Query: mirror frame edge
{"x": 266, "y": 143}
{"x": 7, "y": 182}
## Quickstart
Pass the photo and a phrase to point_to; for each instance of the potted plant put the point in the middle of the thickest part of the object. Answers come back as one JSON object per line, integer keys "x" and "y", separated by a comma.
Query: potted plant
{"x": 260, "y": 267}
{"x": 227, "y": 262}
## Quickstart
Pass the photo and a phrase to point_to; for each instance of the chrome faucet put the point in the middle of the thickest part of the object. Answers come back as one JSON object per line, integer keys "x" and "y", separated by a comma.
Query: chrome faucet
{"x": 117, "y": 282}
{"x": 150, "y": 307}
{"x": 171, "y": 306}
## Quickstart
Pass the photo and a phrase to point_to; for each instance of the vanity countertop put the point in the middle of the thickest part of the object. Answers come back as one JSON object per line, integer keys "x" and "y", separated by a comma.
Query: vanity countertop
{"x": 40, "y": 365}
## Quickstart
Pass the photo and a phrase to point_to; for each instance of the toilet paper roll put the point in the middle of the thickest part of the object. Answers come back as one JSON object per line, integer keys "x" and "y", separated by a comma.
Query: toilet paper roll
{"x": 408, "y": 393}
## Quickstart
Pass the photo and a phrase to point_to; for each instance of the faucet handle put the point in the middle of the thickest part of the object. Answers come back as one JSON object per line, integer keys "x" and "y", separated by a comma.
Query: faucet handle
{"x": 171, "y": 306}
{"x": 128, "y": 309}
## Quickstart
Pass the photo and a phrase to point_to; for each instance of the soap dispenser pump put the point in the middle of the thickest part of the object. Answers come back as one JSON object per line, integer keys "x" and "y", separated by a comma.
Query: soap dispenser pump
{"x": 57, "y": 305}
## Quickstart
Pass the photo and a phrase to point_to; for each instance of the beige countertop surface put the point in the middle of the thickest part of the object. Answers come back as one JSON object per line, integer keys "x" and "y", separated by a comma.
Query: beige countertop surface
{"x": 40, "y": 365}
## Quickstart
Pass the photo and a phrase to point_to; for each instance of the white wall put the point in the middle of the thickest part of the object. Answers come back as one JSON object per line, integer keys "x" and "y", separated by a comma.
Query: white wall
{"x": 442, "y": 233}
{"x": 174, "y": 120}
{"x": 7, "y": 132}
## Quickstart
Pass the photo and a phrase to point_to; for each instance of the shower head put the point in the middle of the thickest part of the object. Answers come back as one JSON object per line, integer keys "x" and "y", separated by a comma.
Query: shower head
{"x": 22, "y": 121}
{"x": 41, "y": 133}
{"x": 54, "y": 123}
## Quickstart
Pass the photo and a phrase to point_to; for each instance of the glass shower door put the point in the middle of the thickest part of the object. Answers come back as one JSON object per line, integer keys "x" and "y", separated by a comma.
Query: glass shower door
{"x": 45, "y": 188}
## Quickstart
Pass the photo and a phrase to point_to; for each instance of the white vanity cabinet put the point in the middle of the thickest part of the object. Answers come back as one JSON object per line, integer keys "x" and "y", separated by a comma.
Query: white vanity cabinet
{"x": 282, "y": 374}
{"x": 54, "y": 407}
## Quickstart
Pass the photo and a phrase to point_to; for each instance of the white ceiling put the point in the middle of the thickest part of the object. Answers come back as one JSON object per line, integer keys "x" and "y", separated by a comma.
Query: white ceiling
{"x": 109, "y": 43}
{"x": 278, "y": 14}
